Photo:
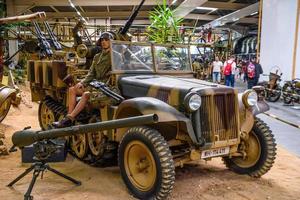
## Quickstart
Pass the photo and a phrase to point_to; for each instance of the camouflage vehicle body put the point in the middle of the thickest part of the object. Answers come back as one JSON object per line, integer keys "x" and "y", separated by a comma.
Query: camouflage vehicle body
{"x": 225, "y": 124}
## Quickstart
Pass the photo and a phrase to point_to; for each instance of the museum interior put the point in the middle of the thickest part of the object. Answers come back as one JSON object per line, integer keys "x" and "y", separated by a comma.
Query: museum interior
{"x": 150, "y": 99}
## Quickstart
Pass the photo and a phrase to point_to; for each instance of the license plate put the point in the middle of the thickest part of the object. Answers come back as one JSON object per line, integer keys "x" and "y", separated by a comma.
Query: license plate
{"x": 215, "y": 152}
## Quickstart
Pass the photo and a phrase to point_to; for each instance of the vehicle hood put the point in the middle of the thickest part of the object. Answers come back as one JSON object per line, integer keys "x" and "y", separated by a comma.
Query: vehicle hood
{"x": 170, "y": 89}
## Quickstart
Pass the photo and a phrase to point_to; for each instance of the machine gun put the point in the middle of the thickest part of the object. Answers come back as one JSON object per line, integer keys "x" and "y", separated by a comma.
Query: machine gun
{"x": 106, "y": 90}
{"x": 124, "y": 30}
{"x": 43, "y": 43}
{"x": 53, "y": 38}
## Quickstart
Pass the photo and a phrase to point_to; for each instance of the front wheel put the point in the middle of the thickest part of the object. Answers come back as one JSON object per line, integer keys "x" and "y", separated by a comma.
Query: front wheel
{"x": 260, "y": 149}
{"x": 273, "y": 95}
{"x": 146, "y": 163}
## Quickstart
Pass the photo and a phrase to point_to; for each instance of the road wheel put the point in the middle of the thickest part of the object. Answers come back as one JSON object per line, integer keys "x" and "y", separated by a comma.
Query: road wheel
{"x": 146, "y": 163}
{"x": 260, "y": 151}
{"x": 4, "y": 108}
{"x": 79, "y": 145}
{"x": 46, "y": 115}
{"x": 96, "y": 141}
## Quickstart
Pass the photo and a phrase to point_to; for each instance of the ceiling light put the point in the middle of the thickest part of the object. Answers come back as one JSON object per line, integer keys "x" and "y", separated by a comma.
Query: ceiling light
{"x": 235, "y": 19}
{"x": 254, "y": 13}
{"x": 72, "y": 5}
{"x": 206, "y": 8}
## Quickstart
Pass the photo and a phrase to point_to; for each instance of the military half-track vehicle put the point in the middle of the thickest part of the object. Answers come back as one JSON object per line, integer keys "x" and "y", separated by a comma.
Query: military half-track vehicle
{"x": 195, "y": 119}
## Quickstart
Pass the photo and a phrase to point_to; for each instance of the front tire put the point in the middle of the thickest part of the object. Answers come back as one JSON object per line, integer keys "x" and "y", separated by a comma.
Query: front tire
{"x": 260, "y": 149}
{"x": 146, "y": 163}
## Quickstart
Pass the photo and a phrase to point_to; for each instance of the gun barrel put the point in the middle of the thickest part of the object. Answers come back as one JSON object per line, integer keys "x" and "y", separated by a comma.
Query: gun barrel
{"x": 124, "y": 30}
{"x": 27, "y": 137}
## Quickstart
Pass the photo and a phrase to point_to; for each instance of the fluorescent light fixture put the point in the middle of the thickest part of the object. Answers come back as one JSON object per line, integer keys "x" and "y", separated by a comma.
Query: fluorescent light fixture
{"x": 235, "y": 19}
{"x": 72, "y": 5}
{"x": 206, "y": 8}
{"x": 173, "y": 2}
{"x": 254, "y": 13}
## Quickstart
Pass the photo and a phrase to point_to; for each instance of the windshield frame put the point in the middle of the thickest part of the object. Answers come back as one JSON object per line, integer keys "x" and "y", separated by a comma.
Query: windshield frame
{"x": 155, "y": 68}
{"x": 172, "y": 71}
{"x": 114, "y": 70}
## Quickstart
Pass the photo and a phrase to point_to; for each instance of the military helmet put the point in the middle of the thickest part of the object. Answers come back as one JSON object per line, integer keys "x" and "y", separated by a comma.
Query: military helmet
{"x": 106, "y": 35}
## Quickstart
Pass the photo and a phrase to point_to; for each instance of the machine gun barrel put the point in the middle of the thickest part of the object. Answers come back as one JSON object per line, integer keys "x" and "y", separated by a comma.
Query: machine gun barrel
{"x": 44, "y": 44}
{"x": 27, "y": 137}
{"x": 53, "y": 38}
{"x": 124, "y": 30}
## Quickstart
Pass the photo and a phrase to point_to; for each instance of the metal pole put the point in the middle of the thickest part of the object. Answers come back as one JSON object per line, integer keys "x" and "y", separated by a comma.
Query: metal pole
{"x": 259, "y": 30}
{"x": 296, "y": 41}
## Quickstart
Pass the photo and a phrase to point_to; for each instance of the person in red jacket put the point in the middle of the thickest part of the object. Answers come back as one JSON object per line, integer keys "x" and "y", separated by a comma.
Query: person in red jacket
{"x": 229, "y": 71}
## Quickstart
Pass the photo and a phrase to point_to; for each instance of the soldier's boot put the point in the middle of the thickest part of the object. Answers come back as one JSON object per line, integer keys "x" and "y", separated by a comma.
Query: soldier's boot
{"x": 65, "y": 122}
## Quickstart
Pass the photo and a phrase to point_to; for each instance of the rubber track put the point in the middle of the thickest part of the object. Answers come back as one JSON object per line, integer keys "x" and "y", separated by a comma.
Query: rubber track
{"x": 58, "y": 108}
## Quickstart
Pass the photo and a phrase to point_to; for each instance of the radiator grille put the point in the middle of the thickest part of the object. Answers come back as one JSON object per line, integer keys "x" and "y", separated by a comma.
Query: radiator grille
{"x": 219, "y": 117}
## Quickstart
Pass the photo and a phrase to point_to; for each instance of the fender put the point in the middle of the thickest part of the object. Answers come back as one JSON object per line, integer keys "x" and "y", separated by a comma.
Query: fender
{"x": 247, "y": 115}
{"x": 5, "y": 92}
{"x": 149, "y": 105}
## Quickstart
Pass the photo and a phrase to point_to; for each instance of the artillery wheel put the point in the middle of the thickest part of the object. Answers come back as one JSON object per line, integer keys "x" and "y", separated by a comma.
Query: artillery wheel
{"x": 79, "y": 145}
{"x": 4, "y": 108}
{"x": 146, "y": 163}
{"x": 96, "y": 141}
{"x": 260, "y": 151}
{"x": 46, "y": 115}
{"x": 287, "y": 94}
{"x": 273, "y": 96}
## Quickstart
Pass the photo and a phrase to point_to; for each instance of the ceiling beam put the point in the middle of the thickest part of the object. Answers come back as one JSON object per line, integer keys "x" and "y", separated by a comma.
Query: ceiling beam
{"x": 224, "y": 5}
{"x": 187, "y": 6}
{"x": 82, "y": 3}
{"x": 201, "y": 17}
{"x": 112, "y": 14}
{"x": 53, "y": 8}
{"x": 235, "y": 16}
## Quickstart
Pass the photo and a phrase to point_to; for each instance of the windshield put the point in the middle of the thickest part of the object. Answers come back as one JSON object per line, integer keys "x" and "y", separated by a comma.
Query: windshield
{"x": 132, "y": 57}
{"x": 170, "y": 58}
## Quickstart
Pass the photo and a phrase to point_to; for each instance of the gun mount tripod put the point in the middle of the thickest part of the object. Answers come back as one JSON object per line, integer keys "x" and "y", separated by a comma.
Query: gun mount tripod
{"x": 43, "y": 150}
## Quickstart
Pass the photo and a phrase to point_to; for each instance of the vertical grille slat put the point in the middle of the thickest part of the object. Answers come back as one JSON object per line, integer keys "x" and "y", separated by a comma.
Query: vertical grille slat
{"x": 219, "y": 123}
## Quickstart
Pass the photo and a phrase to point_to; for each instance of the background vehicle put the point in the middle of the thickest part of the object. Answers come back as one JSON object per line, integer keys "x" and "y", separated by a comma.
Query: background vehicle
{"x": 291, "y": 91}
{"x": 196, "y": 119}
{"x": 272, "y": 87}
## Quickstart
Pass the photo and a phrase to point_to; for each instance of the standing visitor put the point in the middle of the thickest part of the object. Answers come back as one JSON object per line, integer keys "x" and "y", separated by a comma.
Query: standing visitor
{"x": 216, "y": 68}
{"x": 254, "y": 70}
{"x": 229, "y": 71}
{"x": 258, "y": 71}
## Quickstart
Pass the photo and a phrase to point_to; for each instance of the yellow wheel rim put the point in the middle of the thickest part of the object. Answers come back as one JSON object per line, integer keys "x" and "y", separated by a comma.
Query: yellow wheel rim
{"x": 47, "y": 116}
{"x": 140, "y": 165}
{"x": 95, "y": 140}
{"x": 4, "y": 107}
{"x": 253, "y": 151}
{"x": 79, "y": 145}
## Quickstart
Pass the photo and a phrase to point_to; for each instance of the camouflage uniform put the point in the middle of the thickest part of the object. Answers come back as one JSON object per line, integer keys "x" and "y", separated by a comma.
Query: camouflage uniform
{"x": 99, "y": 69}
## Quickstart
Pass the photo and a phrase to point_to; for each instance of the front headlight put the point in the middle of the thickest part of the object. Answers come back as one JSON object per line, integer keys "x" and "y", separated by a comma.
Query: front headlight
{"x": 250, "y": 98}
{"x": 192, "y": 101}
